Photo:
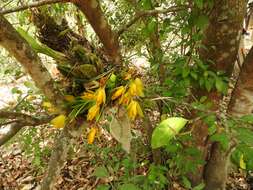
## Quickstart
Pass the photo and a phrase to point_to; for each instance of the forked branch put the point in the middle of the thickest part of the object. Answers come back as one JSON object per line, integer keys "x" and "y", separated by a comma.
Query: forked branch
{"x": 31, "y": 5}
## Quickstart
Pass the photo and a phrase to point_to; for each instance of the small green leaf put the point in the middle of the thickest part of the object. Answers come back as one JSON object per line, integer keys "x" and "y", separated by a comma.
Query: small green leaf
{"x": 199, "y": 187}
{"x": 166, "y": 130}
{"x": 103, "y": 187}
{"x": 199, "y": 3}
{"x": 129, "y": 186}
{"x": 242, "y": 163}
{"x": 151, "y": 27}
{"x": 222, "y": 138}
{"x": 186, "y": 183}
{"x": 201, "y": 21}
{"x": 101, "y": 172}
{"x": 146, "y": 4}
{"x": 186, "y": 72}
{"x": 220, "y": 85}
{"x": 247, "y": 118}
{"x": 15, "y": 90}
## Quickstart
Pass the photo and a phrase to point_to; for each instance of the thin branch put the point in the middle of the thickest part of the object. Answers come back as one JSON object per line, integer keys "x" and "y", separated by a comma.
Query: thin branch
{"x": 15, "y": 107}
{"x": 141, "y": 14}
{"x": 16, "y": 127}
{"x": 32, "y": 5}
{"x": 9, "y": 122}
{"x": 24, "y": 118}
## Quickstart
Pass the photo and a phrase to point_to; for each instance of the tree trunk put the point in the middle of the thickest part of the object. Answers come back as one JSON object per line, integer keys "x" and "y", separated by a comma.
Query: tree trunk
{"x": 223, "y": 37}
{"x": 221, "y": 42}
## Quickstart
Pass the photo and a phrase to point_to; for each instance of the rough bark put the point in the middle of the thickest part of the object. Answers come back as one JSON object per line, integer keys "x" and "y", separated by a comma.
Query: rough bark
{"x": 14, "y": 129}
{"x": 99, "y": 23}
{"x": 241, "y": 102}
{"x": 222, "y": 37}
{"x": 16, "y": 126}
{"x": 63, "y": 141}
{"x": 20, "y": 49}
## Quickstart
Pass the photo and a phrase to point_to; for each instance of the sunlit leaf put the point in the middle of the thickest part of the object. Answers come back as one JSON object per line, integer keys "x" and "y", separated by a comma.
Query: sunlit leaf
{"x": 242, "y": 163}
{"x": 166, "y": 130}
{"x": 101, "y": 172}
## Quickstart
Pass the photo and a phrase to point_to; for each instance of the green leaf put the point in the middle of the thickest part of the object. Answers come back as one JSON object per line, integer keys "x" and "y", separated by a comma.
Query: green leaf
{"x": 199, "y": 3}
{"x": 103, "y": 187}
{"x": 129, "y": 186}
{"x": 222, "y": 138}
{"x": 242, "y": 163}
{"x": 186, "y": 183}
{"x": 208, "y": 85}
{"x": 151, "y": 26}
{"x": 15, "y": 90}
{"x": 186, "y": 72}
{"x": 201, "y": 21}
{"x": 247, "y": 118}
{"x": 146, "y": 4}
{"x": 101, "y": 172}
{"x": 166, "y": 130}
{"x": 245, "y": 136}
{"x": 199, "y": 187}
{"x": 41, "y": 48}
{"x": 220, "y": 85}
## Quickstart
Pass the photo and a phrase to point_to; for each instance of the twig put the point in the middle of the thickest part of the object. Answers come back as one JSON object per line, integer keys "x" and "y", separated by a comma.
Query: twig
{"x": 8, "y": 122}
{"x": 14, "y": 129}
{"x": 32, "y": 5}
{"x": 15, "y": 107}
{"x": 24, "y": 119}
{"x": 149, "y": 13}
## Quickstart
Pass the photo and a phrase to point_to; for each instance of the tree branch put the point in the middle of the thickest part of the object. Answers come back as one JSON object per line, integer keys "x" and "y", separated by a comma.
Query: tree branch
{"x": 11, "y": 40}
{"x": 24, "y": 118}
{"x": 14, "y": 129}
{"x": 32, "y": 5}
{"x": 17, "y": 126}
{"x": 141, "y": 14}
{"x": 96, "y": 18}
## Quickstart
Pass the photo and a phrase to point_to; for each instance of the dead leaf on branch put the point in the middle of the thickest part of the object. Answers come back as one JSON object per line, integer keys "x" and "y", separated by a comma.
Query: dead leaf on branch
{"x": 120, "y": 128}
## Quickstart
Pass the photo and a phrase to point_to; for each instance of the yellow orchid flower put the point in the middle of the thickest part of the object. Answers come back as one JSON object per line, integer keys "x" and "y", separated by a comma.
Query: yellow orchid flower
{"x": 100, "y": 96}
{"x": 59, "y": 121}
{"x": 139, "y": 87}
{"x": 88, "y": 96}
{"x": 136, "y": 87}
{"x": 134, "y": 109}
{"x": 93, "y": 112}
{"x": 125, "y": 99}
{"x": 127, "y": 76}
{"x": 69, "y": 98}
{"x": 47, "y": 104}
{"x": 119, "y": 91}
{"x": 92, "y": 135}
{"x": 50, "y": 107}
{"x": 132, "y": 89}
